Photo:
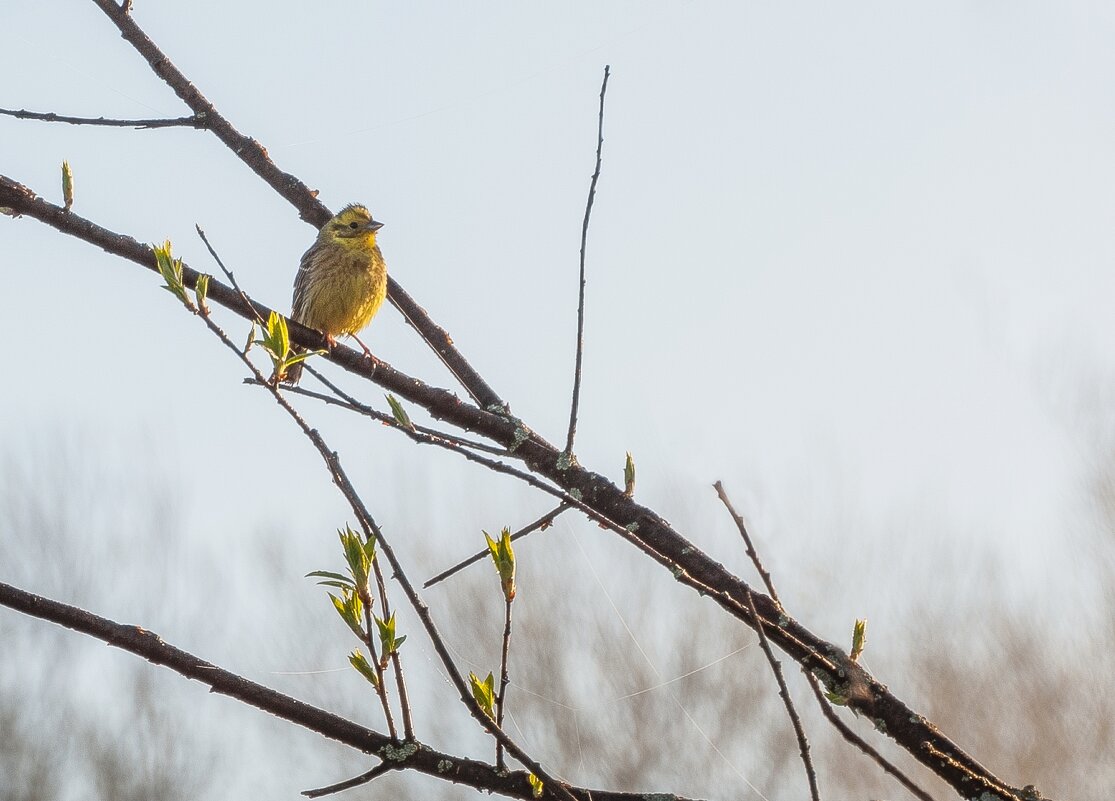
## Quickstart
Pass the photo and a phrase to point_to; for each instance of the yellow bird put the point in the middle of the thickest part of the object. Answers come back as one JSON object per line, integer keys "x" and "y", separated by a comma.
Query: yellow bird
{"x": 342, "y": 279}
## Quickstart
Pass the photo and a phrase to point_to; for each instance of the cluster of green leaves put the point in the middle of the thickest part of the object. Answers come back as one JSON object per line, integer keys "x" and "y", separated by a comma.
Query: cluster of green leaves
{"x": 276, "y": 341}
{"x": 355, "y": 601}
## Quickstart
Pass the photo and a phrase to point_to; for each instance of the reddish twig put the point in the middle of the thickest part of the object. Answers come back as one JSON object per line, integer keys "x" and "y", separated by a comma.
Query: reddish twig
{"x": 377, "y": 666}
{"x": 576, "y": 401}
{"x": 396, "y": 663}
{"x": 750, "y": 546}
{"x": 348, "y": 784}
{"x": 784, "y": 692}
{"x": 504, "y": 678}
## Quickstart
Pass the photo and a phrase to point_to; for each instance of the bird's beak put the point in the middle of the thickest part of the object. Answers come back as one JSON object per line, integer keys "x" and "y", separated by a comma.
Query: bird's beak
{"x": 373, "y": 225}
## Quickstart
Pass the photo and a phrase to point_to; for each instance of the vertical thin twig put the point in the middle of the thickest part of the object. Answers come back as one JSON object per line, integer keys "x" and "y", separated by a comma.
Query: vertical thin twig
{"x": 775, "y": 666}
{"x": 377, "y": 665}
{"x": 504, "y": 679}
{"x": 581, "y": 293}
{"x": 784, "y": 691}
{"x": 750, "y": 546}
{"x": 396, "y": 663}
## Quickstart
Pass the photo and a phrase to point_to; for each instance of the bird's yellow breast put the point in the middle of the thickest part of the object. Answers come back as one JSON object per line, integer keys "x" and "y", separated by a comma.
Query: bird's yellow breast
{"x": 346, "y": 286}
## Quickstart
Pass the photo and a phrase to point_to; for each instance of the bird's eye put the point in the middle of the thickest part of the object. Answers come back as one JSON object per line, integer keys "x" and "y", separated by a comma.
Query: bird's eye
{"x": 353, "y": 226}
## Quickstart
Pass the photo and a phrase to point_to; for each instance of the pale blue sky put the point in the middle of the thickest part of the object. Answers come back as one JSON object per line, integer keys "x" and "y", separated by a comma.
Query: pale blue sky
{"x": 855, "y": 261}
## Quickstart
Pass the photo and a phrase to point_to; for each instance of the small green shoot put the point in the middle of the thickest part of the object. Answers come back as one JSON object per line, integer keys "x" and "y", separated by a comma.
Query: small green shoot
{"x": 67, "y": 185}
{"x": 629, "y": 476}
{"x": 504, "y": 558}
{"x": 357, "y": 660}
{"x": 359, "y": 556}
{"x": 859, "y": 639}
{"x": 387, "y": 639}
{"x": 484, "y": 693}
{"x": 400, "y": 414}
{"x": 170, "y": 269}
{"x": 351, "y": 609}
{"x": 251, "y": 338}
{"x": 201, "y": 292}
{"x": 535, "y": 785}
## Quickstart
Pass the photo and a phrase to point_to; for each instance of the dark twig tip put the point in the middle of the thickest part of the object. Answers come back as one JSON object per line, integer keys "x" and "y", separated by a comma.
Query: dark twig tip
{"x": 348, "y": 784}
{"x": 749, "y": 545}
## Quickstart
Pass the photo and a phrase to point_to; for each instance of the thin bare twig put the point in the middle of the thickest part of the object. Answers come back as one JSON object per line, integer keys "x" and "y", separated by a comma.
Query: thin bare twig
{"x": 541, "y": 522}
{"x": 784, "y": 692}
{"x": 356, "y": 781}
{"x": 575, "y": 403}
{"x": 192, "y": 121}
{"x": 750, "y": 546}
{"x": 775, "y": 666}
{"x": 348, "y": 401}
{"x": 248, "y": 305}
{"x": 396, "y": 662}
{"x": 504, "y": 678}
{"x": 377, "y": 666}
{"x": 343, "y": 400}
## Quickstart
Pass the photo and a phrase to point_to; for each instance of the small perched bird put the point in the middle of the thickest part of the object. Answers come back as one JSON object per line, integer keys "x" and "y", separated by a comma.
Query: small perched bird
{"x": 342, "y": 280}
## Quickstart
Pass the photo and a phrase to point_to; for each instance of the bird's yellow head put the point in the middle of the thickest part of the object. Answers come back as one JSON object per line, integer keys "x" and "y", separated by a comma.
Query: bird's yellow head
{"x": 352, "y": 227}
